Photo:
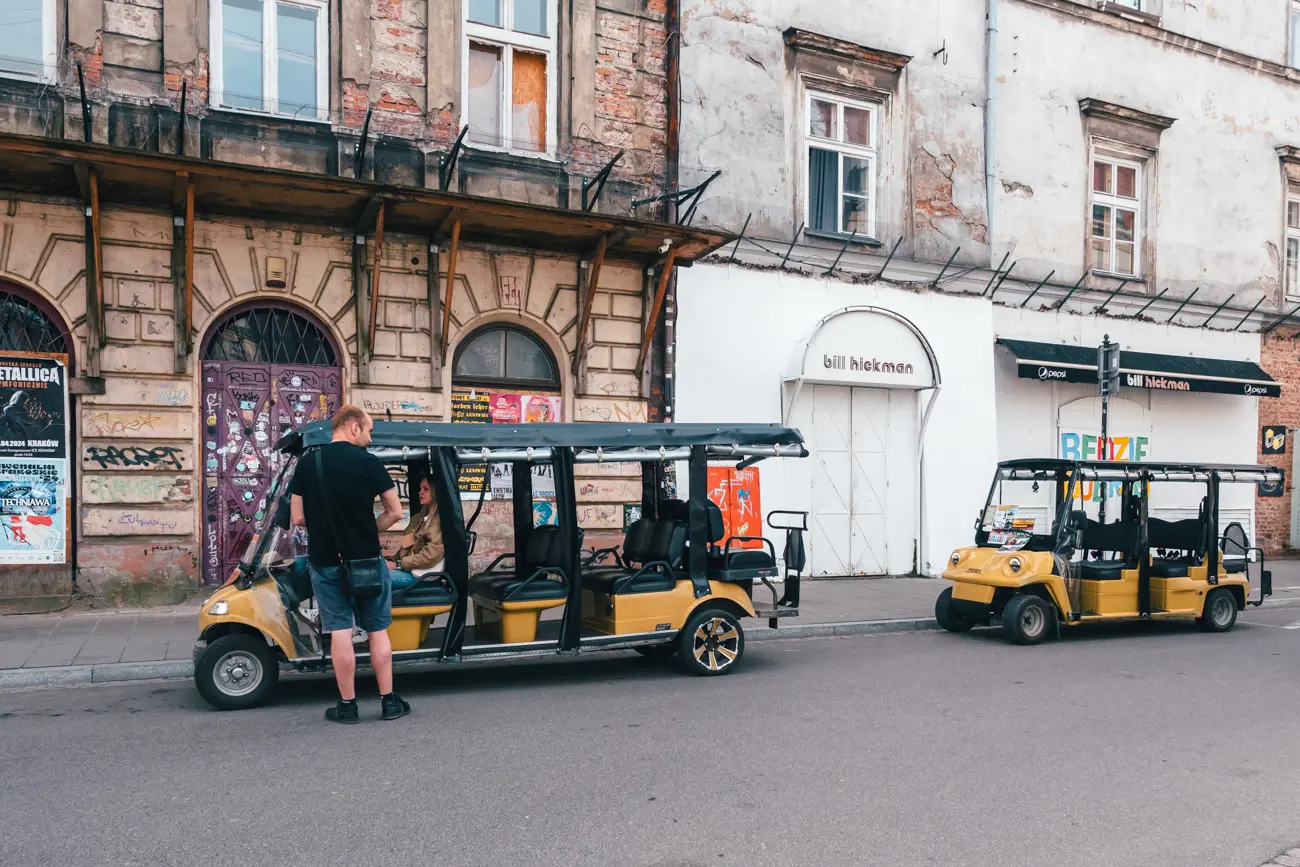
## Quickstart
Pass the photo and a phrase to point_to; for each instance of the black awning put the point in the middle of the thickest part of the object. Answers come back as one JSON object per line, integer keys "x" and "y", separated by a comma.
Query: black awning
{"x": 1051, "y": 362}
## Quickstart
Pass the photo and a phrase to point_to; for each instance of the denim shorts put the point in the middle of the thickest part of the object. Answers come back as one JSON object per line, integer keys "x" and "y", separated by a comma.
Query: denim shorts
{"x": 338, "y": 608}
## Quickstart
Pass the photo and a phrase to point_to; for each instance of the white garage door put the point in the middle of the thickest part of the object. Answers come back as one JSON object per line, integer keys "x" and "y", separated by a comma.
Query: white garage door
{"x": 857, "y": 479}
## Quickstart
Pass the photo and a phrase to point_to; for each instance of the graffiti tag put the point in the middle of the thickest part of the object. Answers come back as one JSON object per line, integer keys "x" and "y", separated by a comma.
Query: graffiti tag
{"x": 163, "y": 457}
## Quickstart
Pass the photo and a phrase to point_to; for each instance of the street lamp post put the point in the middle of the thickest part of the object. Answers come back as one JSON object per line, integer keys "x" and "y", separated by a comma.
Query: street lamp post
{"x": 1107, "y": 384}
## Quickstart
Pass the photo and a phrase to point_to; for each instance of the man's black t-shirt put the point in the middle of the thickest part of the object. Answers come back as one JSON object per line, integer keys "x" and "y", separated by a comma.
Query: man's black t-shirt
{"x": 354, "y": 477}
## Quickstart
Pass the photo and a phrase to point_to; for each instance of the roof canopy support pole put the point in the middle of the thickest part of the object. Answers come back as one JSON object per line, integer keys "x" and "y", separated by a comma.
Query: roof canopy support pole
{"x": 1283, "y": 318}
{"x": 1041, "y": 284}
{"x": 451, "y": 286}
{"x": 740, "y": 238}
{"x": 433, "y": 288}
{"x": 591, "y": 189}
{"x": 182, "y": 268}
{"x": 1005, "y": 275}
{"x": 1138, "y": 315}
{"x": 180, "y": 122}
{"x": 665, "y": 272}
{"x": 374, "y": 276}
{"x": 89, "y": 183}
{"x": 1111, "y": 296}
{"x": 790, "y": 249}
{"x": 85, "y": 105}
{"x": 996, "y": 272}
{"x": 1073, "y": 289}
{"x": 447, "y": 164}
{"x": 588, "y": 281}
{"x": 946, "y": 266}
{"x": 361, "y": 288}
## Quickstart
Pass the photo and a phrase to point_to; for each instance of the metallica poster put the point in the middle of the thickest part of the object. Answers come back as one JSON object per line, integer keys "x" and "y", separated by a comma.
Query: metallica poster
{"x": 33, "y": 458}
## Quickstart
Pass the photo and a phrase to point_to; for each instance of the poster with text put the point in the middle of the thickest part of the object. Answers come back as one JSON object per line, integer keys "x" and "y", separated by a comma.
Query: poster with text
{"x": 33, "y": 511}
{"x": 484, "y": 406}
{"x": 33, "y": 405}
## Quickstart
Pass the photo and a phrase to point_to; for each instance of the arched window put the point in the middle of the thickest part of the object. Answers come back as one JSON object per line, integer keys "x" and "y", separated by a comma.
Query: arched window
{"x": 505, "y": 355}
{"x": 27, "y": 327}
{"x": 270, "y": 335}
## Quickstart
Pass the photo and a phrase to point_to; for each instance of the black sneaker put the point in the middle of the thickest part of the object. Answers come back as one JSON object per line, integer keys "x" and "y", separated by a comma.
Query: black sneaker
{"x": 394, "y": 706}
{"x": 344, "y": 712}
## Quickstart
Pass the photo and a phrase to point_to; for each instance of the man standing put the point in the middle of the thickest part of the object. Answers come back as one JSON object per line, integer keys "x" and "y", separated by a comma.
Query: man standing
{"x": 352, "y": 478}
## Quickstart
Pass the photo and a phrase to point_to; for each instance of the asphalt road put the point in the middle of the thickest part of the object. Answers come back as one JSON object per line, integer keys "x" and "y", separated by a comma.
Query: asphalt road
{"x": 1144, "y": 745}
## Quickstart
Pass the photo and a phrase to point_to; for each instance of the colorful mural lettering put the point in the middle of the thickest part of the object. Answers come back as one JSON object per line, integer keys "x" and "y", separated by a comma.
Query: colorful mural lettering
{"x": 1089, "y": 446}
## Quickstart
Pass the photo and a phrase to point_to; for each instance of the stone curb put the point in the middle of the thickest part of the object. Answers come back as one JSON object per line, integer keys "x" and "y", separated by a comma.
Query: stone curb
{"x": 119, "y": 672}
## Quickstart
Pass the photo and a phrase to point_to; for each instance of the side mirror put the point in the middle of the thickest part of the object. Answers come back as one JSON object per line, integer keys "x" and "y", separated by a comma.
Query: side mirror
{"x": 282, "y": 513}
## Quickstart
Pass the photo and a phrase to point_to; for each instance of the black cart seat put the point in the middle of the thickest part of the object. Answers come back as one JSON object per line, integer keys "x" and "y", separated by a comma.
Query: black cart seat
{"x": 433, "y": 590}
{"x": 659, "y": 563}
{"x": 541, "y": 552}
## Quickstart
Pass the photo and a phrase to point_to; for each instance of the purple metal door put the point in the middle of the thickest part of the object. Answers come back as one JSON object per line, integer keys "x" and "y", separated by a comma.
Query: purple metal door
{"x": 247, "y": 407}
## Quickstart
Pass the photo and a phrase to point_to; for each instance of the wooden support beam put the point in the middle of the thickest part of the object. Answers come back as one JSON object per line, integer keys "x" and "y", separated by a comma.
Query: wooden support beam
{"x": 451, "y": 287}
{"x": 182, "y": 269}
{"x": 359, "y": 306}
{"x": 94, "y": 277}
{"x": 658, "y": 304}
{"x": 374, "y": 275}
{"x": 585, "y": 302}
{"x": 433, "y": 288}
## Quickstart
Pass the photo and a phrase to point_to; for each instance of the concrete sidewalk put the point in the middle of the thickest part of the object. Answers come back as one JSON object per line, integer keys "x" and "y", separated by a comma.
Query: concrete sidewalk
{"x": 132, "y": 644}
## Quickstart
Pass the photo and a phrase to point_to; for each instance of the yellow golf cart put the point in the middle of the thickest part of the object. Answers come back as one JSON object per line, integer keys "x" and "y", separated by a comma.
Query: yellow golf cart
{"x": 676, "y": 587}
{"x": 1047, "y": 555}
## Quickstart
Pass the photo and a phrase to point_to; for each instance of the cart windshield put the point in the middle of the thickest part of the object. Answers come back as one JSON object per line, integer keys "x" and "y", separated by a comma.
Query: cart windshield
{"x": 1021, "y": 512}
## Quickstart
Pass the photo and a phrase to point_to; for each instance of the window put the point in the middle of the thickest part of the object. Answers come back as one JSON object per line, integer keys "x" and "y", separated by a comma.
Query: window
{"x": 1293, "y": 247}
{"x": 840, "y": 138}
{"x": 509, "y": 90}
{"x": 1293, "y": 32}
{"x": 1115, "y": 242}
{"x": 501, "y": 355}
{"x": 270, "y": 335}
{"x": 1132, "y": 4}
{"x": 270, "y": 56}
{"x": 27, "y": 39}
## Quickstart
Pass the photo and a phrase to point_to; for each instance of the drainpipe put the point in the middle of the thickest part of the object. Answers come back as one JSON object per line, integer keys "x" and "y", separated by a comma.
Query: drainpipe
{"x": 990, "y": 118}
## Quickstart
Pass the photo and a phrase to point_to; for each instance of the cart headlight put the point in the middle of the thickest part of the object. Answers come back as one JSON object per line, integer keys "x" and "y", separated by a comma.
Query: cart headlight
{"x": 956, "y": 558}
{"x": 219, "y": 608}
{"x": 1015, "y": 564}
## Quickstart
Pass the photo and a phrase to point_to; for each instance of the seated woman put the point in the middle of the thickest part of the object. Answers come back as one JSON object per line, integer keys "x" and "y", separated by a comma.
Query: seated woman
{"x": 421, "y": 548}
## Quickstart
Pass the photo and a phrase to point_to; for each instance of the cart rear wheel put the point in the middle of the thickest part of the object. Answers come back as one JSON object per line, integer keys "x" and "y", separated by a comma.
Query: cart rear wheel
{"x": 1026, "y": 619}
{"x": 1220, "y": 612}
{"x": 236, "y": 672}
{"x": 711, "y": 643}
{"x": 947, "y": 617}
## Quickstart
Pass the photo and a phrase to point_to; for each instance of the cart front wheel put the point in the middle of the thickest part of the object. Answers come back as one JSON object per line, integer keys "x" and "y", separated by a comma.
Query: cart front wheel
{"x": 236, "y": 672}
{"x": 1026, "y": 619}
{"x": 947, "y": 617}
{"x": 711, "y": 643}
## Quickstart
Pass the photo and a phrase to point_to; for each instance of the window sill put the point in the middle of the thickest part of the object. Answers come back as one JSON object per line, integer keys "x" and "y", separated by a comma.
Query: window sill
{"x": 540, "y": 156}
{"x": 30, "y": 78}
{"x": 1130, "y": 279}
{"x": 858, "y": 241}
{"x": 1129, "y": 12}
{"x": 267, "y": 115}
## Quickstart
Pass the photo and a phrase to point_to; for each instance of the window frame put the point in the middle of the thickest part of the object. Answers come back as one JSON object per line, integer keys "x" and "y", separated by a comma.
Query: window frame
{"x": 1289, "y": 233}
{"x": 49, "y": 49}
{"x": 1293, "y": 43}
{"x": 538, "y": 386}
{"x": 870, "y": 152}
{"x": 270, "y": 70}
{"x": 1115, "y": 201}
{"x": 509, "y": 41}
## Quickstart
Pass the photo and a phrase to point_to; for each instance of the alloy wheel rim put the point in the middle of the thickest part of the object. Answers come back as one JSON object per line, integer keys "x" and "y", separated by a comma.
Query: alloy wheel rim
{"x": 237, "y": 673}
{"x": 716, "y": 644}
{"x": 1032, "y": 620}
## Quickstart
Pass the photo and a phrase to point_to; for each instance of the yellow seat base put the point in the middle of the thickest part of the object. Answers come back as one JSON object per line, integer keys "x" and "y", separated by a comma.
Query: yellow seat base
{"x": 410, "y": 626}
{"x": 510, "y": 622}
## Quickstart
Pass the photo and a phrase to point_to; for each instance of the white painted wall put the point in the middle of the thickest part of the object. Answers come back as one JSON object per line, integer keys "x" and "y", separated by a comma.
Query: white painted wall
{"x": 736, "y": 329}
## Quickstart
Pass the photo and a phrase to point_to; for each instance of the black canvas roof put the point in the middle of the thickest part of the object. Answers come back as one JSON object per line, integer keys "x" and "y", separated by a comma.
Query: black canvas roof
{"x": 1134, "y": 468}
{"x": 415, "y": 434}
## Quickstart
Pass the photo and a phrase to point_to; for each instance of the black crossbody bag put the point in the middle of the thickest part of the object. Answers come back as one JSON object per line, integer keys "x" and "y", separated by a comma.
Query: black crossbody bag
{"x": 362, "y": 579}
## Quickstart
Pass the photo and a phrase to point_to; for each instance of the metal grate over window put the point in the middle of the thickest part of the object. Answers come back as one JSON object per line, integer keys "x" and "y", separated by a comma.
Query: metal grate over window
{"x": 270, "y": 335}
{"x": 24, "y": 328}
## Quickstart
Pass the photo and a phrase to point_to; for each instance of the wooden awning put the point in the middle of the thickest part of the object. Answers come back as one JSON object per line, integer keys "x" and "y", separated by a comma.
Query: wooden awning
{"x": 47, "y": 167}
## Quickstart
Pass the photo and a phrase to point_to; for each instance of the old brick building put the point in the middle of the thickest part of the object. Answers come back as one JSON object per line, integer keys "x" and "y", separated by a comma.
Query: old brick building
{"x": 231, "y": 215}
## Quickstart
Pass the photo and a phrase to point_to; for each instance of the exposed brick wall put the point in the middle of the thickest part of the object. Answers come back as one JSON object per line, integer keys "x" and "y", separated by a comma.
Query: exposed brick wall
{"x": 1280, "y": 356}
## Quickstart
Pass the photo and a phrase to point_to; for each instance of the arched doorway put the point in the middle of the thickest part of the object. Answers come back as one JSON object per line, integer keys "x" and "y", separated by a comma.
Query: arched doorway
{"x": 266, "y": 369}
{"x": 29, "y": 324}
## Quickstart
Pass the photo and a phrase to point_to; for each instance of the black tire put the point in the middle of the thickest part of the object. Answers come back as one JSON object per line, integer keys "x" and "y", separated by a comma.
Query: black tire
{"x": 1027, "y": 619}
{"x": 1220, "y": 611}
{"x": 947, "y": 617}
{"x": 711, "y": 643}
{"x": 657, "y": 651}
{"x": 236, "y": 672}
